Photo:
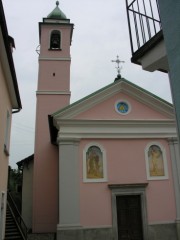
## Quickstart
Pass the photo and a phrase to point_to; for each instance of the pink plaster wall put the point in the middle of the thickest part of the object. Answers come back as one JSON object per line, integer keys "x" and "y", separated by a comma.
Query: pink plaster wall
{"x": 49, "y": 81}
{"x": 106, "y": 110}
{"x": 5, "y": 106}
{"x": 125, "y": 164}
{"x": 45, "y": 203}
{"x": 45, "y": 188}
{"x": 95, "y": 202}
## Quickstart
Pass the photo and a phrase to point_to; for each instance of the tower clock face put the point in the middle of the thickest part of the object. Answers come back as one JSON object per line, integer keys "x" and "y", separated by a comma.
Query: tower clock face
{"x": 122, "y": 107}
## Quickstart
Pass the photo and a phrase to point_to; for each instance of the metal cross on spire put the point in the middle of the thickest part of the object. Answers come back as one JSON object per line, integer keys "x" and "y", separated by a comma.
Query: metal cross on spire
{"x": 118, "y": 61}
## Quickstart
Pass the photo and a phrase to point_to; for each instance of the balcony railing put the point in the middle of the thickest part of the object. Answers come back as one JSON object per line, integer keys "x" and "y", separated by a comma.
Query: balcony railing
{"x": 143, "y": 20}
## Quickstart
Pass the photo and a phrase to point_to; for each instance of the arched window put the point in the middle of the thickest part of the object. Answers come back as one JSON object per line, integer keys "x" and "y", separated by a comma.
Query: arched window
{"x": 55, "y": 40}
{"x": 94, "y": 164}
{"x": 156, "y": 163}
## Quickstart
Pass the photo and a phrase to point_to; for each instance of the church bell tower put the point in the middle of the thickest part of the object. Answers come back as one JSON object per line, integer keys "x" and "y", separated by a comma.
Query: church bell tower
{"x": 53, "y": 93}
{"x": 55, "y": 35}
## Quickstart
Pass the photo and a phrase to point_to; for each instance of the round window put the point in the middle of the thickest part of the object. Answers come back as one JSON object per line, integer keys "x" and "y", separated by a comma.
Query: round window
{"x": 122, "y": 107}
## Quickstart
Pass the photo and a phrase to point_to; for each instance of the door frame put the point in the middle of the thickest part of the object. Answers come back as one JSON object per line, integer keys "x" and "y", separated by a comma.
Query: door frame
{"x": 124, "y": 190}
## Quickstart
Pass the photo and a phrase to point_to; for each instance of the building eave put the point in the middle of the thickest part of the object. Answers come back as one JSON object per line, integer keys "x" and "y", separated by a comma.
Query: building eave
{"x": 25, "y": 161}
{"x": 147, "y": 53}
{"x": 7, "y": 62}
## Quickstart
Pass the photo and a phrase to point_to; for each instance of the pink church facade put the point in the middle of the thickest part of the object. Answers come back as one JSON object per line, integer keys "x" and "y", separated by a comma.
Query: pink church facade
{"x": 104, "y": 166}
{"x": 129, "y": 145}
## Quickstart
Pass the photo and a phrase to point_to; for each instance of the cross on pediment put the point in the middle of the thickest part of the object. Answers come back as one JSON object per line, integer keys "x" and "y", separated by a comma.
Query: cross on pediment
{"x": 119, "y": 67}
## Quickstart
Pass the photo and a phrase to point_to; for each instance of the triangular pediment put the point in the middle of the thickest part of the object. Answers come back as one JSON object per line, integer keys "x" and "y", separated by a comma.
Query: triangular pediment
{"x": 102, "y": 104}
{"x": 96, "y": 115}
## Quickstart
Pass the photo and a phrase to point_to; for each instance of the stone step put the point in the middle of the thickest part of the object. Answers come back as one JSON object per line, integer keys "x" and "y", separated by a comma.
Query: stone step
{"x": 13, "y": 238}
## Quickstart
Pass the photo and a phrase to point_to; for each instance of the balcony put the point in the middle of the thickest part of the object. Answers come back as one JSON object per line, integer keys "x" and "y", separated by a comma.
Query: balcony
{"x": 146, "y": 36}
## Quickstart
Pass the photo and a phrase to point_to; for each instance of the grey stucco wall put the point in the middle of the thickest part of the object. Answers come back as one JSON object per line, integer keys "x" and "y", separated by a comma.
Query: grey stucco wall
{"x": 27, "y": 194}
{"x": 156, "y": 232}
{"x": 162, "y": 232}
{"x": 170, "y": 18}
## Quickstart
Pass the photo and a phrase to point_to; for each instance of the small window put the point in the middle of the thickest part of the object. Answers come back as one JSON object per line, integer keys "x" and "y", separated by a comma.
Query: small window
{"x": 94, "y": 164}
{"x": 156, "y": 163}
{"x": 55, "y": 40}
{"x": 7, "y": 134}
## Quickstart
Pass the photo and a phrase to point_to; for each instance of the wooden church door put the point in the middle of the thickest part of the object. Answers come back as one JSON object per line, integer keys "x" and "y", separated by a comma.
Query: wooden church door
{"x": 129, "y": 217}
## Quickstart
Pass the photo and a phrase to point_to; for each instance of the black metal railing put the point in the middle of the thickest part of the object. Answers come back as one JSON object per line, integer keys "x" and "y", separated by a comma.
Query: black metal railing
{"x": 17, "y": 216}
{"x": 143, "y": 21}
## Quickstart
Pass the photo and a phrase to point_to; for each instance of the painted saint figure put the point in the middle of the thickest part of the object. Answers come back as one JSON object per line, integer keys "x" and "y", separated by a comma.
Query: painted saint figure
{"x": 156, "y": 164}
{"x": 94, "y": 163}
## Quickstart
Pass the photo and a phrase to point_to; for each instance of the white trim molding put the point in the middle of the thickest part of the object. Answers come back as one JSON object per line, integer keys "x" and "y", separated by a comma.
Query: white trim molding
{"x": 123, "y": 129}
{"x": 53, "y": 92}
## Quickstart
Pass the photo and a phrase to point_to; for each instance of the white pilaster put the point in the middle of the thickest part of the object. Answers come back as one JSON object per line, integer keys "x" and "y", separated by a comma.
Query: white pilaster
{"x": 174, "y": 151}
{"x": 69, "y": 199}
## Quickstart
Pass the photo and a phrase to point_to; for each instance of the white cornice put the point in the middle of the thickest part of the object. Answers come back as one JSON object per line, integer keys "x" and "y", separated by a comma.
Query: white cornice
{"x": 150, "y": 100}
{"x": 115, "y": 129}
{"x": 53, "y": 93}
{"x": 54, "y": 59}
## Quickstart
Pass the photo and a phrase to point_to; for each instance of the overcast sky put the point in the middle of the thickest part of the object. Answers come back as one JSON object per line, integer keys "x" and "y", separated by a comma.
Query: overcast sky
{"x": 100, "y": 34}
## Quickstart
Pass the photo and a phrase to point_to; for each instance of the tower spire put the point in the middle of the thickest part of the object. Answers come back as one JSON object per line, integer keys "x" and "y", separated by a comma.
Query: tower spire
{"x": 57, "y": 13}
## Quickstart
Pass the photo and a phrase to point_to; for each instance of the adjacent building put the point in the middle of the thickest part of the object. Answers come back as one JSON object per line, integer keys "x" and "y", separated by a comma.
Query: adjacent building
{"x": 9, "y": 103}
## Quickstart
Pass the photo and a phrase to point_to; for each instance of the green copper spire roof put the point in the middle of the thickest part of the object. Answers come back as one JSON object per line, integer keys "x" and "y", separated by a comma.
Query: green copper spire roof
{"x": 57, "y": 13}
